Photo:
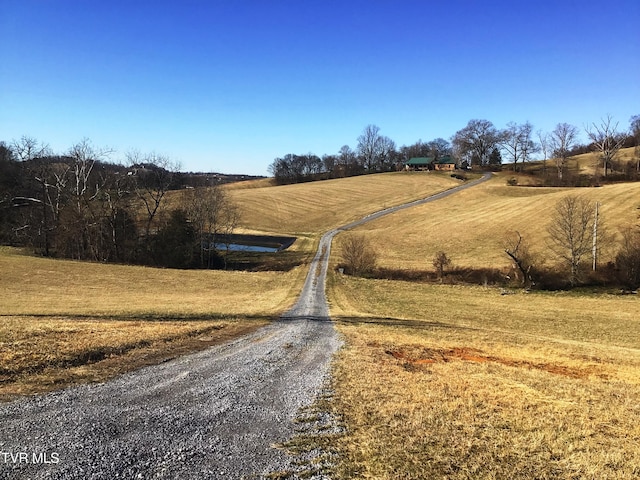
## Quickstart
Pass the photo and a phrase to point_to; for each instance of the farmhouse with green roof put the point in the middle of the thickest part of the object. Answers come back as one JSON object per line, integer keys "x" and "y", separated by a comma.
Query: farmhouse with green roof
{"x": 429, "y": 163}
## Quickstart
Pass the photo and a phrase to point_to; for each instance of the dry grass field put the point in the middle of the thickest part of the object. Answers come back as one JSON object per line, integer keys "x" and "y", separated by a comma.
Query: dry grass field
{"x": 590, "y": 163}
{"x": 62, "y": 321}
{"x": 471, "y": 226}
{"x": 41, "y": 286}
{"x": 441, "y": 381}
{"x": 463, "y": 382}
{"x": 310, "y": 209}
{"x": 584, "y": 164}
{"x": 435, "y": 381}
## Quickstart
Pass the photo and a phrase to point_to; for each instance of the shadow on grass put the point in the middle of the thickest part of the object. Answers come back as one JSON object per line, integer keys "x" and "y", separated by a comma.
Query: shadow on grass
{"x": 283, "y": 261}
{"x": 312, "y": 318}
{"x": 147, "y": 316}
{"x": 88, "y": 363}
{"x": 399, "y": 322}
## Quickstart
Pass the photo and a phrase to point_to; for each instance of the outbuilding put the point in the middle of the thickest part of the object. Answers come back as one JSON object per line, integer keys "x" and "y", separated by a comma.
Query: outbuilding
{"x": 444, "y": 163}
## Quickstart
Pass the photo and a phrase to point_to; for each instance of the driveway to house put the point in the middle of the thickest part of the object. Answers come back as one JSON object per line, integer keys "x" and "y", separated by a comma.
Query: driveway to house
{"x": 218, "y": 413}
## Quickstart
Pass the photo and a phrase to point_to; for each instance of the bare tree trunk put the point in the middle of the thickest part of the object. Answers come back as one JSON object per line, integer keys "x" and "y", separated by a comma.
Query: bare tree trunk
{"x": 45, "y": 221}
{"x": 595, "y": 238}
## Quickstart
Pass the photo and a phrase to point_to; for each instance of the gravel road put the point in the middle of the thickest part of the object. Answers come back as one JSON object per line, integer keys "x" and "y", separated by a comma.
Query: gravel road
{"x": 213, "y": 414}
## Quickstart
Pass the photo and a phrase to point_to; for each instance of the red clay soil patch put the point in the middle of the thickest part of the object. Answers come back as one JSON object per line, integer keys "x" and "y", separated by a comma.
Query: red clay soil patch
{"x": 425, "y": 356}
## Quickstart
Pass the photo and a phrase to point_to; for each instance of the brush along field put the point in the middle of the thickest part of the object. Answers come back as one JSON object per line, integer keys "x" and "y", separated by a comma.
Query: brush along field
{"x": 64, "y": 321}
{"x": 471, "y": 225}
{"x": 440, "y": 381}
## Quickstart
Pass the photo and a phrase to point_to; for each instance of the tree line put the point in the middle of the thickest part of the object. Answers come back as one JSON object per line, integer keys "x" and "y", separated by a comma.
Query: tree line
{"x": 478, "y": 145}
{"x": 81, "y": 206}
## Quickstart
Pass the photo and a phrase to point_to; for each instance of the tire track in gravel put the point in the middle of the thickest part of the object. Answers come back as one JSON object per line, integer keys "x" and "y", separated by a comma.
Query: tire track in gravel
{"x": 214, "y": 414}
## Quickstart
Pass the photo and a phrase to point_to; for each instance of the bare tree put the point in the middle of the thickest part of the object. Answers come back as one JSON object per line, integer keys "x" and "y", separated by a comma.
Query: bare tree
{"x": 563, "y": 138}
{"x": 28, "y": 148}
{"x": 572, "y": 232}
{"x": 370, "y": 146}
{"x": 358, "y": 254}
{"x": 51, "y": 179}
{"x": 8, "y": 172}
{"x": 214, "y": 218}
{"x": 628, "y": 259}
{"x": 528, "y": 145}
{"x": 634, "y": 124}
{"x": 544, "y": 142}
{"x": 511, "y": 143}
{"x": 518, "y": 250}
{"x": 475, "y": 142}
{"x": 117, "y": 199}
{"x": 438, "y": 148}
{"x": 85, "y": 186}
{"x": 153, "y": 175}
{"x": 83, "y": 226}
{"x": 607, "y": 140}
{"x": 441, "y": 262}
{"x": 387, "y": 153}
{"x": 418, "y": 149}
{"x": 346, "y": 162}
{"x": 228, "y": 221}
{"x": 329, "y": 164}
{"x": 517, "y": 143}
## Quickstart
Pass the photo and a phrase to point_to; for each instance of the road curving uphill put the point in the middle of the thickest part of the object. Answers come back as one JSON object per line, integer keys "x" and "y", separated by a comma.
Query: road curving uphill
{"x": 214, "y": 414}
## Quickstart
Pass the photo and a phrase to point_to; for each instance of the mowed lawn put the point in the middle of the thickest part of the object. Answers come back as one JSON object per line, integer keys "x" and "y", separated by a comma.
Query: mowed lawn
{"x": 471, "y": 226}
{"x": 63, "y": 322}
{"x": 314, "y": 208}
{"x": 466, "y": 382}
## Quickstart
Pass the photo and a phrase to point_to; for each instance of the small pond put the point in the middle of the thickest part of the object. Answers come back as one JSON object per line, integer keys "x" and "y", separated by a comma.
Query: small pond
{"x": 253, "y": 243}
{"x": 239, "y": 247}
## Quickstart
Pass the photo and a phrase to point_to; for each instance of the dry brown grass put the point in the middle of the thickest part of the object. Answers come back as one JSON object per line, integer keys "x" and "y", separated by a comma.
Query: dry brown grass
{"x": 39, "y": 354}
{"x": 591, "y": 164}
{"x": 452, "y": 382}
{"x": 41, "y": 286}
{"x": 258, "y": 183}
{"x": 63, "y": 322}
{"x": 470, "y": 226}
{"x": 313, "y": 208}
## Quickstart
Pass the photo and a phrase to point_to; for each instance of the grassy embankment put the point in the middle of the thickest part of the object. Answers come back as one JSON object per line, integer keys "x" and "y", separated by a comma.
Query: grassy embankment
{"x": 440, "y": 381}
{"x": 63, "y": 322}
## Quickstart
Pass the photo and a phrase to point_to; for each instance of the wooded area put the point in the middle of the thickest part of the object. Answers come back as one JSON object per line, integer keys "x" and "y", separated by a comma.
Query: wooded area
{"x": 81, "y": 206}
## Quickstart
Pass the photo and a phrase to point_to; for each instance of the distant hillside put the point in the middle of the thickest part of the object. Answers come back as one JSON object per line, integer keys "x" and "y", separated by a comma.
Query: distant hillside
{"x": 581, "y": 170}
{"x": 190, "y": 179}
{"x": 180, "y": 179}
{"x": 315, "y": 207}
{"x": 471, "y": 226}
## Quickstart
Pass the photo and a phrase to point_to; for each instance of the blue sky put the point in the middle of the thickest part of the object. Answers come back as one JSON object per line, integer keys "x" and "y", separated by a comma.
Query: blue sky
{"x": 228, "y": 86}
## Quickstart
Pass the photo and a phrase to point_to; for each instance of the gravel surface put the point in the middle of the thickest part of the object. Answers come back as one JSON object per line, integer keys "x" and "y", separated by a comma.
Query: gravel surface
{"x": 214, "y": 414}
